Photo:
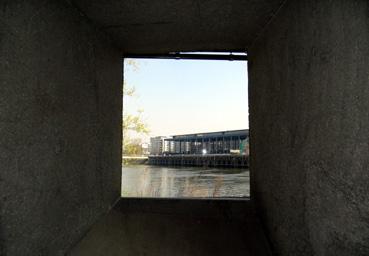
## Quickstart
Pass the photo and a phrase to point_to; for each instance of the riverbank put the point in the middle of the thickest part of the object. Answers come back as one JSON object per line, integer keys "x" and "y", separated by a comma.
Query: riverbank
{"x": 134, "y": 160}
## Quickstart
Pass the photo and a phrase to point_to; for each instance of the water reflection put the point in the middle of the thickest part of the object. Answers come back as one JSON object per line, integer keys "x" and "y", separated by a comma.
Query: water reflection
{"x": 154, "y": 181}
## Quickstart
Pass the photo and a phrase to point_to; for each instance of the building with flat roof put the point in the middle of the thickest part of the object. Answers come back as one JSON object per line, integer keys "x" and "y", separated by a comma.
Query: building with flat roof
{"x": 222, "y": 142}
{"x": 158, "y": 145}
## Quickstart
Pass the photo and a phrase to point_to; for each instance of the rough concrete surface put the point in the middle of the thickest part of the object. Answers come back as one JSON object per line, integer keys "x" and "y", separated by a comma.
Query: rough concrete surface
{"x": 60, "y": 123}
{"x": 60, "y": 126}
{"x": 159, "y": 26}
{"x": 171, "y": 227}
{"x": 309, "y": 124}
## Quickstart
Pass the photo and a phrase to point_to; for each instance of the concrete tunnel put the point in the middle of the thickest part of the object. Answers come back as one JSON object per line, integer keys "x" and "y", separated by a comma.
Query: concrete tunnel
{"x": 60, "y": 122}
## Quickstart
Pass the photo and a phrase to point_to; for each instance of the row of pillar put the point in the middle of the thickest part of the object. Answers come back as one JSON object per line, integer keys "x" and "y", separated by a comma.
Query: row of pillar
{"x": 218, "y": 145}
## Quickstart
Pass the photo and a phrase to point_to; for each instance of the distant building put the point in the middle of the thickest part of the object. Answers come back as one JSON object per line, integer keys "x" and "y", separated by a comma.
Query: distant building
{"x": 145, "y": 148}
{"x": 222, "y": 142}
{"x": 158, "y": 145}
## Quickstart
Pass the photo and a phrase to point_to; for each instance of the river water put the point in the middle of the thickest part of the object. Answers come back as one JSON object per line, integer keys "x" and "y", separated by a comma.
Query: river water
{"x": 158, "y": 181}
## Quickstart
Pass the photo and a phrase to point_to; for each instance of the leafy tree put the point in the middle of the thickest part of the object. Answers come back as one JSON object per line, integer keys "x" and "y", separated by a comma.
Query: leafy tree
{"x": 134, "y": 147}
{"x": 133, "y": 124}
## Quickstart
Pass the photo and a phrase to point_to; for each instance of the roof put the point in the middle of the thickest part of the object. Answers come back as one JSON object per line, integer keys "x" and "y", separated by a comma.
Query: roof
{"x": 220, "y": 134}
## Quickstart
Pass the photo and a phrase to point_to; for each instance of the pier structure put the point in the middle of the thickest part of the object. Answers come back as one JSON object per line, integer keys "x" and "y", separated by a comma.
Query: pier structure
{"x": 213, "y": 149}
{"x": 222, "y": 142}
{"x": 208, "y": 160}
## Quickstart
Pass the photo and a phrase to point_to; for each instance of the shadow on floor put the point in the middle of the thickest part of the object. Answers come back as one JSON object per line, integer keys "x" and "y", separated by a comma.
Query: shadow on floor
{"x": 170, "y": 227}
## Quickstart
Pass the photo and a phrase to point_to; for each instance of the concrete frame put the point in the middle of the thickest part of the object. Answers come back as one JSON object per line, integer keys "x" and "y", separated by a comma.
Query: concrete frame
{"x": 60, "y": 105}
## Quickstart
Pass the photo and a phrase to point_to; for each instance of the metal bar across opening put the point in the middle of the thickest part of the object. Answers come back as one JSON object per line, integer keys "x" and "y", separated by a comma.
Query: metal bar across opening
{"x": 189, "y": 56}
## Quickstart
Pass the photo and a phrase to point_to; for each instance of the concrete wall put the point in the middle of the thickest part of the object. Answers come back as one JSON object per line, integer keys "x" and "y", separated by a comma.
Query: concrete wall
{"x": 60, "y": 126}
{"x": 309, "y": 99}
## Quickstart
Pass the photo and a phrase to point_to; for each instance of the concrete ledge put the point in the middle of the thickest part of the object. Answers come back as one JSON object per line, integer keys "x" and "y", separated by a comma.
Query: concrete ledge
{"x": 225, "y": 208}
{"x": 176, "y": 227}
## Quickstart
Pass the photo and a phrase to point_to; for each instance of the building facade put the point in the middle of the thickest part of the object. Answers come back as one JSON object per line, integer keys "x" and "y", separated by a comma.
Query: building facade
{"x": 158, "y": 145}
{"x": 222, "y": 142}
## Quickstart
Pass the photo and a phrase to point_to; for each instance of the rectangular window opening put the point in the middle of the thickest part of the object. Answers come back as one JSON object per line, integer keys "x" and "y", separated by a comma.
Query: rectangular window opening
{"x": 185, "y": 126}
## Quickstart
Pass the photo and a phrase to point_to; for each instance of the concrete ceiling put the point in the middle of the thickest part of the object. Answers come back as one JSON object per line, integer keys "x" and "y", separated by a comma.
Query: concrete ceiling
{"x": 160, "y": 26}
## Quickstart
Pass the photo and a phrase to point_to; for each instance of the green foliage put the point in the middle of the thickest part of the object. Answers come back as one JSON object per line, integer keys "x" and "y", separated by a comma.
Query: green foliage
{"x": 133, "y": 147}
{"x": 128, "y": 91}
{"x": 131, "y": 64}
{"x": 132, "y": 123}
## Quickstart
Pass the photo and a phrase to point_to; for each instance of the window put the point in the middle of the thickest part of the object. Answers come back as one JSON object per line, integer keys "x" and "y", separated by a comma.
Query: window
{"x": 185, "y": 126}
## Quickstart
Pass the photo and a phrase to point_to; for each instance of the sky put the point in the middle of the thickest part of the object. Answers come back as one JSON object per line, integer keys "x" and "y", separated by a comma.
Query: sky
{"x": 188, "y": 96}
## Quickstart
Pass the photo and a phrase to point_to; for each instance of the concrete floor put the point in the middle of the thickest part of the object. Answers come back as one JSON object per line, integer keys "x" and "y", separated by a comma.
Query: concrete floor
{"x": 176, "y": 227}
